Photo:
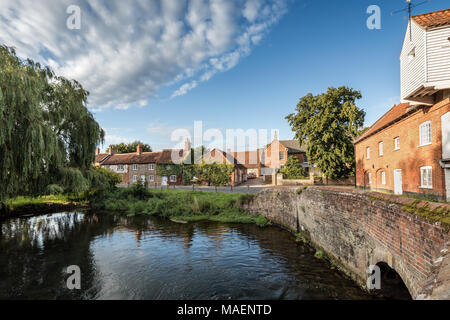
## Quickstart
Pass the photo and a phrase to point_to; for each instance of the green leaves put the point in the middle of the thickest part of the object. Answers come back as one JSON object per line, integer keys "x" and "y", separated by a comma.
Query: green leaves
{"x": 328, "y": 123}
{"x": 45, "y": 127}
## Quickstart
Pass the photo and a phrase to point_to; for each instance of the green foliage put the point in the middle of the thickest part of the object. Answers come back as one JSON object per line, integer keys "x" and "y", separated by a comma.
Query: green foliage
{"x": 328, "y": 123}
{"x": 441, "y": 214}
{"x": 214, "y": 174}
{"x": 131, "y": 147}
{"x": 45, "y": 129}
{"x": 54, "y": 189}
{"x": 294, "y": 170}
{"x": 182, "y": 205}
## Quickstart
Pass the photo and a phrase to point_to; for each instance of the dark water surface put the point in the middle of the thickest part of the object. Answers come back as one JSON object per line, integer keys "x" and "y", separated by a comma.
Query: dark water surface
{"x": 154, "y": 258}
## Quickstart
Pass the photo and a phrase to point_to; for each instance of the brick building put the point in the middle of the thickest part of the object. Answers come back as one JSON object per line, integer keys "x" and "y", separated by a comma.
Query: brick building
{"x": 239, "y": 174}
{"x": 142, "y": 165}
{"x": 408, "y": 149}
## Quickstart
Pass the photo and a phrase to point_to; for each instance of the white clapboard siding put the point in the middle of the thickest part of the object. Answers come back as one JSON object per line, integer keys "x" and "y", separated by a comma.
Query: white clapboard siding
{"x": 413, "y": 73}
{"x": 438, "y": 54}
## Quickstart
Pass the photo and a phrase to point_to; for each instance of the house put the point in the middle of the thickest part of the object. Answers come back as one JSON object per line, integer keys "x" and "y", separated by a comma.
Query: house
{"x": 142, "y": 165}
{"x": 239, "y": 175}
{"x": 276, "y": 154}
{"x": 408, "y": 149}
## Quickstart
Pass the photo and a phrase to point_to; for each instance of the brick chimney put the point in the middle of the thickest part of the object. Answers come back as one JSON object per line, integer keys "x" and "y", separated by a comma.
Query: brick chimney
{"x": 187, "y": 145}
{"x": 275, "y": 136}
{"x": 97, "y": 152}
{"x": 111, "y": 150}
{"x": 139, "y": 149}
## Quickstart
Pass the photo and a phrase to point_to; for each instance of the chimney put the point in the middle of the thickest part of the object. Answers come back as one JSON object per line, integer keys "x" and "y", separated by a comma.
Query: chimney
{"x": 139, "y": 149}
{"x": 97, "y": 152}
{"x": 111, "y": 150}
{"x": 275, "y": 136}
{"x": 187, "y": 145}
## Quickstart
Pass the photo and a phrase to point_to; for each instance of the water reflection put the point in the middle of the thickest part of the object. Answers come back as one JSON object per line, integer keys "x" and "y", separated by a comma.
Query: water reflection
{"x": 153, "y": 258}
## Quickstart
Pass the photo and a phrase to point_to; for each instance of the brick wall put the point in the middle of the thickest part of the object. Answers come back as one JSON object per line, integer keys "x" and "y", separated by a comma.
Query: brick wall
{"x": 409, "y": 158}
{"x": 358, "y": 230}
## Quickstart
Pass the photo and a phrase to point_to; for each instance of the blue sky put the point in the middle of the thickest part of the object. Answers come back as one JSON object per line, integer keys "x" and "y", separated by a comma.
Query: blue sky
{"x": 299, "y": 47}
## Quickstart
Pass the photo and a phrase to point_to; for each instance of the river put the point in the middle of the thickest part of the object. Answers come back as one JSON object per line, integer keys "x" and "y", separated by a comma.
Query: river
{"x": 154, "y": 258}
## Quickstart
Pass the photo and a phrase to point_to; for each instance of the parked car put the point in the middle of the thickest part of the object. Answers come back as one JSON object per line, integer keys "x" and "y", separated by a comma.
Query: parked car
{"x": 251, "y": 176}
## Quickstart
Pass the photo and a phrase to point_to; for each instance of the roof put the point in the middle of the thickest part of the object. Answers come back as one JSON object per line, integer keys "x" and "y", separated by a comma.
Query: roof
{"x": 100, "y": 157}
{"x": 225, "y": 156}
{"x": 396, "y": 112}
{"x": 164, "y": 156}
{"x": 433, "y": 19}
{"x": 248, "y": 159}
{"x": 293, "y": 146}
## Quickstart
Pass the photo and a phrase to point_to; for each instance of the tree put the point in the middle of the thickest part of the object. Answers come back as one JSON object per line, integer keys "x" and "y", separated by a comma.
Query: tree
{"x": 293, "y": 169}
{"x": 45, "y": 128}
{"x": 131, "y": 147}
{"x": 328, "y": 123}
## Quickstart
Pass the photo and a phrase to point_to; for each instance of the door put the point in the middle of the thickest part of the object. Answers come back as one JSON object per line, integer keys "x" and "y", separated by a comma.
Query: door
{"x": 398, "y": 184}
{"x": 164, "y": 181}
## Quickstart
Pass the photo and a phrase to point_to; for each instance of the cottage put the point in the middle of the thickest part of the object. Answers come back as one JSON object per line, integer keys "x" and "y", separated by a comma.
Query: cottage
{"x": 408, "y": 149}
{"x": 142, "y": 165}
{"x": 239, "y": 175}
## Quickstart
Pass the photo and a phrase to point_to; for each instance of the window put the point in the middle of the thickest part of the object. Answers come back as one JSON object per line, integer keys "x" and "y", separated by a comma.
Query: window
{"x": 151, "y": 178}
{"x": 397, "y": 143}
{"x": 425, "y": 133}
{"x": 368, "y": 153}
{"x": 369, "y": 176}
{"x": 135, "y": 167}
{"x": 135, "y": 178}
{"x": 151, "y": 166}
{"x": 120, "y": 167}
{"x": 281, "y": 155}
{"x": 380, "y": 148}
{"x": 412, "y": 55}
{"x": 168, "y": 167}
{"x": 383, "y": 177}
{"x": 173, "y": 178}
{"x": 426, "y": 177}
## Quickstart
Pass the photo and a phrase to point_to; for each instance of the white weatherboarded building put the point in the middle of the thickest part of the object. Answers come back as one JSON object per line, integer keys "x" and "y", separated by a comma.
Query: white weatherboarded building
{"x": 425, "y": 58}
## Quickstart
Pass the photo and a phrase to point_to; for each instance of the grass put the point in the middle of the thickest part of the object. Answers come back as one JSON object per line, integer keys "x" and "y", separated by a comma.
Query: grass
{"x": 181, "y": 205}
{"x": 19, "y": 202}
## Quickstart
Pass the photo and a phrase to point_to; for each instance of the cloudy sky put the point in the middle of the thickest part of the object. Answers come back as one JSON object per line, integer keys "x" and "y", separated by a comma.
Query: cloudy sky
{"x": 156, "y": 66}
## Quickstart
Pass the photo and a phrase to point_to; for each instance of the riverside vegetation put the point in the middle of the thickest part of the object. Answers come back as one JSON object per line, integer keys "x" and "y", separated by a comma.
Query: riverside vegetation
{"x": 181, "y": 205}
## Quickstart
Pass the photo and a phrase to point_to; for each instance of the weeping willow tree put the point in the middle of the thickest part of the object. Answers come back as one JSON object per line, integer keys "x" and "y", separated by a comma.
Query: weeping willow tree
{"x": 47, "y": 135}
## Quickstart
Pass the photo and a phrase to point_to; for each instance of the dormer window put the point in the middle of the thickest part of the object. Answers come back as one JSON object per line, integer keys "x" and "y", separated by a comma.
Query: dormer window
{"x": 412, "y": 55}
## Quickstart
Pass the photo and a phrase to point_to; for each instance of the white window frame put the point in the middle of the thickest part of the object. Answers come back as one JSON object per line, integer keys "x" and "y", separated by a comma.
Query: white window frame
{"x": 151, "y": 178}
{"x": 151, "y": 166}
{"x": 282, "y": 157}
{"x": 397, "y": 143}
{"x": 383, "y": 177}
{"x": 173, "y": 178}
{"x": 135, "y": 178}
{"x": 135, "y": 167}
{"x": 369, "y": 175}
{"x": 120, "y": 167}
{"x": 380, "y": 148}
{"x": 422, "y": 135}
{"x": 368, "y": 153}
{"x": 426, "y": 182}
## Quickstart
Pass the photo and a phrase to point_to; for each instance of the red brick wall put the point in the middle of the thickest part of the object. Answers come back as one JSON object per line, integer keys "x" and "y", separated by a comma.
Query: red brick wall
{"x": 410, "y": 158}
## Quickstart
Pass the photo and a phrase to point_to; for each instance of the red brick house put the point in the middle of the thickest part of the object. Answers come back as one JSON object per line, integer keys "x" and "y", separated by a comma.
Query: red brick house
{"x": 239, "y": 174}
{"x": 408, "y": 149}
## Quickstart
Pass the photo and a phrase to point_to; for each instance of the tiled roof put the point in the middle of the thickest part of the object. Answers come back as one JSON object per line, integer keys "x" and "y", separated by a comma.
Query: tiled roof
{"x": 293, "y": 146}
{"x": 132, "y": 158}
{"x": 248, "y": 159}
{"x": 100, "y": 157}
{"x": 226, "y": 157}
{"x": 395, "y": 113}
{"x": 433, "y": 19}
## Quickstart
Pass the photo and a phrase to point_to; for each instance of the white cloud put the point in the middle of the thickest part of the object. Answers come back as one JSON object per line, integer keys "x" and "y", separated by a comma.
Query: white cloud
{"x": 127, "y": 50}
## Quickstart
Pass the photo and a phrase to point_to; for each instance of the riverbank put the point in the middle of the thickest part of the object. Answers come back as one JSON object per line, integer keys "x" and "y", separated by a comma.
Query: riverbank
{"x": 31, "y": 206}
{"x": 180, "y": 205}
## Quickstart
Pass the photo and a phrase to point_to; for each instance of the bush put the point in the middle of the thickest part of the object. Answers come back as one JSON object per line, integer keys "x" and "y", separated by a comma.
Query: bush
{"x": 54, "y": 189}
{"x": 294, "y": 170}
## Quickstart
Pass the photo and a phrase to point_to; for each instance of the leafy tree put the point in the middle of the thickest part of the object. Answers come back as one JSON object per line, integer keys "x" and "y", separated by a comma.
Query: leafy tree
{"x": 131, "y": 147}
{"x": 214, "y": 173}
{"x": 293, "y": 169}
{"x": 45, "y": 128}
{"x": 328, "y": 123}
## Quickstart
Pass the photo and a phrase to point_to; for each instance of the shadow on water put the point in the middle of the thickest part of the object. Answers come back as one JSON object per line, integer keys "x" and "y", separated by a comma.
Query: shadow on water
{"x": 154, "y": 258}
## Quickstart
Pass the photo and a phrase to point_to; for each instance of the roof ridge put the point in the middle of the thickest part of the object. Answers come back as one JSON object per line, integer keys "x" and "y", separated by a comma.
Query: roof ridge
{"x": 427, "y": 13}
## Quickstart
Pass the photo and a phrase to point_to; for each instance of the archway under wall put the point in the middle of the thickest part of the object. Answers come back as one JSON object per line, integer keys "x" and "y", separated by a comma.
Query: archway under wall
{"x": 392, "y": 285}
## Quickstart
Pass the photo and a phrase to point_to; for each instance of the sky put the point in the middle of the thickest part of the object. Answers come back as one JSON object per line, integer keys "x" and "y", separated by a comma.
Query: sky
{"x": 156, "y": 70}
